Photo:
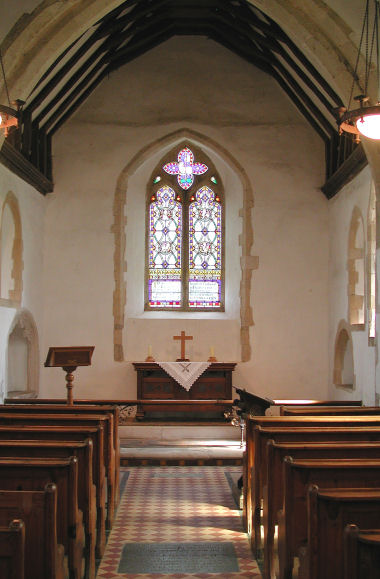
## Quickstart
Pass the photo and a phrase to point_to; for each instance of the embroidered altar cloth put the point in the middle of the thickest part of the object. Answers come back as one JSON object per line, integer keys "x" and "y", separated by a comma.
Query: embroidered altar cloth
{"x": 185, "y": 373}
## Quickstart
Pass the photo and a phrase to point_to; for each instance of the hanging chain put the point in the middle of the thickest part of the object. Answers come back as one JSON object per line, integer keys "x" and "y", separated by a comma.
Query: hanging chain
{"x": 5, "y": 80}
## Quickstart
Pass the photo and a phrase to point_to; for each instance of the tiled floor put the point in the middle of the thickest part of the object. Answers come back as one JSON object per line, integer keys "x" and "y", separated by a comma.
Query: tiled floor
{"x": 181, "y": 506}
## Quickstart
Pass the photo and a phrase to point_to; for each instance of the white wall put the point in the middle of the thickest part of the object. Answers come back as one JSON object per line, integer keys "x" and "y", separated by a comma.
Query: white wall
{"x": 32, "y": 209}
{"x": 341, "y": 207}
{"x": 195, "y": 84}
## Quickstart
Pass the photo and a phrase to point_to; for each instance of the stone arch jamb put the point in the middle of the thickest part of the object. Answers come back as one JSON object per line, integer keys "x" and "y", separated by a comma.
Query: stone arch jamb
{"x": 17, "y": 266}
{"x": 248, "y": 261}
{"x": 25, "y": 321}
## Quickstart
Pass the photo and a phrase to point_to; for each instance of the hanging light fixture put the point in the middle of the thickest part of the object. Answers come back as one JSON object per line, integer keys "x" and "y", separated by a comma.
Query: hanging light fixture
{"x": 366, "y": 119}
{"x": 8, "y": 116}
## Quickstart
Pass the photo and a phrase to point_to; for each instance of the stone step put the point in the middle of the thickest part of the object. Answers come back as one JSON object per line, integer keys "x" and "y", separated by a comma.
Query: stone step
{"x": 179, "y": 431}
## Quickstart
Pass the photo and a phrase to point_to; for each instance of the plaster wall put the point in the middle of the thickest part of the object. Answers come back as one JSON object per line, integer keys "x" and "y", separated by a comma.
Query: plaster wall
{"x": 32, "y": 209}
{"x": 195, "y": 84}
{"x": 341, "y": 207}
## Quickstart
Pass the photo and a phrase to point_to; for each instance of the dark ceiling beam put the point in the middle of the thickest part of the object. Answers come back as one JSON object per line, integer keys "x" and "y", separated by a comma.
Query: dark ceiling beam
{"x": 273, "y": 45}
{"x": 67, "y": 103}
{"x": 252, "y": 56}
{"x": 60, "y": 120}
{"x": 274, "y": 30}
{"x": 68, "y": 86}
{"x": 63, "y": 115}
{"x": 65, "y": 69}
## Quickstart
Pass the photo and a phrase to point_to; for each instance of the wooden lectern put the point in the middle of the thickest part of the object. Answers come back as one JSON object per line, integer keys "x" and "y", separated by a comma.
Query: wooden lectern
{"x": 69, "y": 358}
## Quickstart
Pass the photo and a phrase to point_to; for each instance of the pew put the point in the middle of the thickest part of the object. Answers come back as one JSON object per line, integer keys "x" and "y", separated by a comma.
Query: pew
{"x": 361, "y": 553}
{"x": 68, "y": 413}
{"x": 86, "y": 489}
{"x": 298, "y": 476}
{"x": 73, "y": 433}
{"x": 329, "y": 511}
{"x": 287, "y": 421}
{"x": 330, "y": 411}
{"x": 19, "y": 418}
{"x": 35, "y": 474}
{"x": 273, "y": 483}
{"x": 87, "y": 407}
{"x": 44, "y": 556}
{"x": 12, "y": 540}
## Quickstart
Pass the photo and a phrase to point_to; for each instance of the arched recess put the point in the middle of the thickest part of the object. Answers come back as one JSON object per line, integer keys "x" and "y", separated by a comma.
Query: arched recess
{"x": 356, "y": 270}
{"x": 371, "y": 265}
{"x": 23, "y": 357}
{"x": 248, "y": 262}
{"x": 344, "y": 374}
{"x": 11, "y": 247}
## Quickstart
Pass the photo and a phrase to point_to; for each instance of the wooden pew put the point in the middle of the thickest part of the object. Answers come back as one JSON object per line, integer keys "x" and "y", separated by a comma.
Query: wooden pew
{"x": 73, "y": 433}
{"x": 44, "y": 556}
{"x": 281, "y": 403}
{"x": 35, "y": 474}
{"x": 109, "y": 415}
{"x": 361, "y": 553}
{"x": 12, "y": 540}
{"x": 298, "y": 476}
{"x": 329, "y": 511}
{"x": 88, "y": 407}
{"x": 293, "y": 422}
{"x": 331, "y": 411}
{"x": 274, "y": 484}
{"x": 86, "y": 488}
{"x": 19, "y": 418}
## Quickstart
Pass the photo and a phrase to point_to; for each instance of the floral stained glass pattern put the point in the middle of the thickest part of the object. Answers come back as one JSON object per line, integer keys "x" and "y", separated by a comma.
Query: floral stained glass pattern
{"x": 185, "y": 169}
{"x": 165, "y": 239}
{"x": 205, "y": 250}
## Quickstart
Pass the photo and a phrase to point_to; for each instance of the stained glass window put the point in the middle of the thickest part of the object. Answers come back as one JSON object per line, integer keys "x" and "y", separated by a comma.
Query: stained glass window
{"x": 185, "y": 234}
{"x": 205, "y": 250}
{"x": 165, "y": 224}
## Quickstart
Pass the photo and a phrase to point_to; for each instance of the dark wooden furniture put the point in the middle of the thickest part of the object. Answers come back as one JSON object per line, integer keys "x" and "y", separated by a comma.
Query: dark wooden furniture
{"x": 44, "y": 556}
{"x": 12, "y": 547}
{"x": 206, "y": 394}
{"x": 361, "y": 553}
{"x": 298, "y": 476}
{"x": 329, "y": 511}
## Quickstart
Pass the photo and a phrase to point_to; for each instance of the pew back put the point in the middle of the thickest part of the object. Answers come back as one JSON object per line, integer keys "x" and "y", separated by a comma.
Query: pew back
{"x": 12, "y": 541}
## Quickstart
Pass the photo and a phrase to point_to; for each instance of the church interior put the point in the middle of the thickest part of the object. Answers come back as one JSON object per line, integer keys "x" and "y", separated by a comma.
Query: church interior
{"x": 189, "y": 217}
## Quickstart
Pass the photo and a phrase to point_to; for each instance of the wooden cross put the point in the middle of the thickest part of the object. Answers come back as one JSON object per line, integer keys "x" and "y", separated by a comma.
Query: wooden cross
{"x": 183, "y": 338}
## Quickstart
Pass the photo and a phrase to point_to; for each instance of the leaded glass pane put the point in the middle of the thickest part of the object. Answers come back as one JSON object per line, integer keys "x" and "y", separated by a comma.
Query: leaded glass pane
{"x": 205, "y": 250}
{"x": 165, "y": 235}
{"x": 185, "y": 169}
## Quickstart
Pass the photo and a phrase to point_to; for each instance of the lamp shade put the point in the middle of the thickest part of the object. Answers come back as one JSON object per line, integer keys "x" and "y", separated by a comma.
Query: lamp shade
{"x": 369, "y": 125}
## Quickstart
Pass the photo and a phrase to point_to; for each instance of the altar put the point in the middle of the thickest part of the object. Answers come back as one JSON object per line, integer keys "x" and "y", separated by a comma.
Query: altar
{"x": 163, "y": 396}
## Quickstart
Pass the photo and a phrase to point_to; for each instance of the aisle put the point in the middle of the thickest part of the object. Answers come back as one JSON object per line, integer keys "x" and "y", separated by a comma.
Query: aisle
{"x": 178, "y": 522}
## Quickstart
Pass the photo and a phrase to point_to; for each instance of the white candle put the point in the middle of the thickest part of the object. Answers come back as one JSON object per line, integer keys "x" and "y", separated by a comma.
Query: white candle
{"x": 149, "y": 350}
{"x": 212, "y": 353}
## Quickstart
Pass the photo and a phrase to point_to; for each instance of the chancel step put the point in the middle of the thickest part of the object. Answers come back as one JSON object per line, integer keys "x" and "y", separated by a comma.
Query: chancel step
{"x": 186, "y": 443}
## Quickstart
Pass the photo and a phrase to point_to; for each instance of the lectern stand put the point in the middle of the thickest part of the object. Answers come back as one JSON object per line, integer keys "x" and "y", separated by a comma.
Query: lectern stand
{"x": 69, "y": 358}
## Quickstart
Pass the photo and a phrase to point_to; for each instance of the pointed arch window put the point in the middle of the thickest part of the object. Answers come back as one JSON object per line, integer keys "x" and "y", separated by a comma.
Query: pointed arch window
{"x": 185, "y": 234}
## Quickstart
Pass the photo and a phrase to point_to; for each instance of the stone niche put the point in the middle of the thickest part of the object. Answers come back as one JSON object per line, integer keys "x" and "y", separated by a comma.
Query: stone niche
{"x": 23, "y": 357}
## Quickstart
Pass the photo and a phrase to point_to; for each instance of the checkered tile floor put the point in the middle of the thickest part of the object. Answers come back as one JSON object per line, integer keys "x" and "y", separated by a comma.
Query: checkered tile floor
{"x": 178, "y": 505}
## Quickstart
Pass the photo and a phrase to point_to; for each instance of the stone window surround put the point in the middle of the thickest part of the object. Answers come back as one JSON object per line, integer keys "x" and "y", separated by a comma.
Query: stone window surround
{"x": 248, "y": 261}
{"x": 15, "y": 295}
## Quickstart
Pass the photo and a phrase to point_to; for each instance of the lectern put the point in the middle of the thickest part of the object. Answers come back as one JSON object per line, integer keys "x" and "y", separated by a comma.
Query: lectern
{"x": 69, "y": 358}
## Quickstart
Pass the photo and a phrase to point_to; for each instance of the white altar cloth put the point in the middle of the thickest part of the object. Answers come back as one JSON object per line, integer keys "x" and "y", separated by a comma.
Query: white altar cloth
{"x": 185, "y": 373}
